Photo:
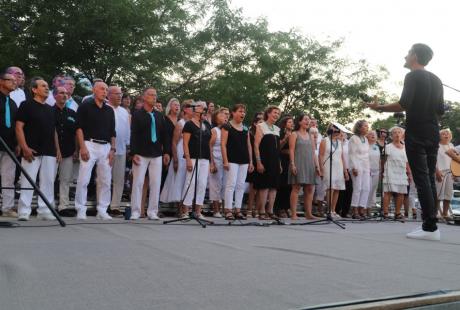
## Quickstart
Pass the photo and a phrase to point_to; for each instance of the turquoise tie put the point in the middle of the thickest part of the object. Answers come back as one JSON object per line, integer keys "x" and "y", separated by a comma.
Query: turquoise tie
{"x": 153, "y": 129}
{"x": 7, "y": 113}
{"x": 67, "y": 103}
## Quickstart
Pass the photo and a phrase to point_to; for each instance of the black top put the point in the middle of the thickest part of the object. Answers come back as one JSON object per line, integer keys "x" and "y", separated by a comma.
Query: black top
{"x": 422, "y": 98}
{"x": 141, "y": 135}
{"x": 193, "y": 144}
{"x": 8, "y": 134}
{"x": 237, "y": 145}
{"x": 66, "y": 126}
{"x": 170, "y": 130}
{"x": 39, "y": 126}
{"x": 96, "y": 123}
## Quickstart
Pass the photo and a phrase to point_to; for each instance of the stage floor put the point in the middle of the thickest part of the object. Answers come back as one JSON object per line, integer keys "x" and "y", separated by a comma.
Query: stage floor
{"x": 148, "y": 265}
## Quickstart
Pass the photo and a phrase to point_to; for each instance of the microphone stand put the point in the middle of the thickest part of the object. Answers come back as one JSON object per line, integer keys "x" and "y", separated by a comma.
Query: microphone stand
{"x": 34, "y": 186}
{"x": 328, "y": 218}
{"x": 192, "y": 216}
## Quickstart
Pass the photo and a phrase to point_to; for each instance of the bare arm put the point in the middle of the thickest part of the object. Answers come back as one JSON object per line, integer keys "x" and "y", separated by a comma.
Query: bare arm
{"x": 223, "y": 146}
{"x": 251, "y": 165}
{"x": 27, "y": 152}
{"x": 392, "y": 107}
{"x": 322, "y": 151}
{"x": 58, "y": 149}
{"x": 186, "y": 140}
{"x": 257, "y": 139}
{"x": 292, "y": 140}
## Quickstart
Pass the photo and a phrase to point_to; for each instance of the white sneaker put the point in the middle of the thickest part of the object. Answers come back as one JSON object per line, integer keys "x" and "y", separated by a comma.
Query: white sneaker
{"x": 200, "y": 216}
{"x": 134, "y": 217}
{"x": 103, "y": 216}
{"x": 153, "y": 217}
{"x": 45, "y": 217}
{"x": 9, "y": 213}
{"x": 217, "y": 215}
{"x": 23, "y": 217}
{"x": 81, "y": 215}
{"x": 184, "y": 216}
{"x": 425, "y": 235}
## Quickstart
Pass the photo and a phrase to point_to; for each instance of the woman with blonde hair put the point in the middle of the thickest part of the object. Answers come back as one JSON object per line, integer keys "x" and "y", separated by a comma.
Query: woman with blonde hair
{"x": 358, "y": 156}
{"x": 396, "y": 173}
{"x": 444, "y": 178}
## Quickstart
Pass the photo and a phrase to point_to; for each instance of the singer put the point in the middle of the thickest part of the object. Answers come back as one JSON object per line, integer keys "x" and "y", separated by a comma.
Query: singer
{"x": 422, "y": 99}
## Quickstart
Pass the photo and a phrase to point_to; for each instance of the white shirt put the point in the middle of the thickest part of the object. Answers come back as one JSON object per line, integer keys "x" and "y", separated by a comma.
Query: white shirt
{"x": 18, "y": 95}
{"x": 122, "y": 128}
{"x": 346, "y": 158}
{"x": 444, "y": 160}
{"x": 358, "y": 152}
{"x": 70, "y": 103}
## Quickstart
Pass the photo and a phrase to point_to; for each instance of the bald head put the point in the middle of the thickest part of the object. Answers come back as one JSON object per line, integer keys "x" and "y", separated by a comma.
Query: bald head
{"x": 100, "y": 91}
{"x": 18, "y": 75}
{"x": 115, "y": 95}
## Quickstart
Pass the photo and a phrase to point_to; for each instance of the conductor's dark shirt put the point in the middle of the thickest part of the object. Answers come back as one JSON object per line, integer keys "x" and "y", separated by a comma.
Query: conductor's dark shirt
{"x": 423, "y": 100}
{"x": 66, "y": 126}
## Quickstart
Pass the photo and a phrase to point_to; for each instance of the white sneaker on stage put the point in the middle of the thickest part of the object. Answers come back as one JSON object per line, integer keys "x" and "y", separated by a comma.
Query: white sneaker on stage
{"x": 23, "y": 217}
{"x": 134, "y": 217}
{"x": 81, "y": 215}
{"x": 153, "y": 217}
{"x": 45, "y": 217}
{"x": 425, "y": 235}
{"x": 103, "y": 216}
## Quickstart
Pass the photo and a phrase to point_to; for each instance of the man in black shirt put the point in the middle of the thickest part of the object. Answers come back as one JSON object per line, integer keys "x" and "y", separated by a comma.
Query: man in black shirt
{"x": 96, "y": 138}
{"x": 150, "y": 148}
{"x": 8, "y": 110}
{"x": 66, "y": 120}
{"x": 36, "y": 134}
{"x": 422, "y": 99}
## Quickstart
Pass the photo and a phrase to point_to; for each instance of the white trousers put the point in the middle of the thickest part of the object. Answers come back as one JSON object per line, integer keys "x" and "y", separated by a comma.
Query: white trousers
{"x": 47, "y": 167}
{"x": 154, "y": 166}
{"x": 217, "y": 182}
{"x": 374, "y": 179}
{"x": 98, "y": 155}
{"x": 118, "y": 179}
{"x": 361, "y": 188}
{"x": 234, "y": 184}
{"x": 8, "y": 172}
{"x": 189, "y": 185}
{"x": 65, "y": 178}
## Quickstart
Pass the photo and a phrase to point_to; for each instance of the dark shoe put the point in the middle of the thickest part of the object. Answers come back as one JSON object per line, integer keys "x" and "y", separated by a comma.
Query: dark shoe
{"x": 240, "y": 216}
{"x": 68, "y": 212}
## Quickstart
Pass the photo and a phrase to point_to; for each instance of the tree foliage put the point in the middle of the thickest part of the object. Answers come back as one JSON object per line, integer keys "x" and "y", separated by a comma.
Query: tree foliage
{"x": 171, "y": 44}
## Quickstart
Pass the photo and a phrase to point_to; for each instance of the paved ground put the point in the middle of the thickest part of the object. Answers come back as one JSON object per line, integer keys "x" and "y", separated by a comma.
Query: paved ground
{"x": 149, "y": 265}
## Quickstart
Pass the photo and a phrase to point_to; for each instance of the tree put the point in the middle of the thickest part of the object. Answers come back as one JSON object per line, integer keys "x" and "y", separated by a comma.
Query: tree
{"x": 170, "y": 44}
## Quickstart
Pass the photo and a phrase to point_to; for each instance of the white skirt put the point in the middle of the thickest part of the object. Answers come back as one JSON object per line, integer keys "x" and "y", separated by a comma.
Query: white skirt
{"x": 394, "y": 188}
{"x": 174, "y": 183}
{"x": 444, "y": 189}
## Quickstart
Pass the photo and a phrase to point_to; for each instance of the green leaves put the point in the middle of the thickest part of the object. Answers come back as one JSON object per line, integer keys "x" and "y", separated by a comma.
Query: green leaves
{"x": 186, "y": 48}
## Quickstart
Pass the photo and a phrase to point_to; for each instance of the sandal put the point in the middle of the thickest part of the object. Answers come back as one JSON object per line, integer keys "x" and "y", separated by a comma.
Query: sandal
{"x": 272, "y": 216}
{"x": 263, "y": 217}
{"x": 255, "y": 214}
{"x": 399, "y": 216}
{"x": 229, "y": 216}
{"x": 240, "y": 216}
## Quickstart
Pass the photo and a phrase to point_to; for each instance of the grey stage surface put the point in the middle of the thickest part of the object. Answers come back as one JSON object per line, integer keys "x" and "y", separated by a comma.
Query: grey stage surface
{"x": 153, "y": 266}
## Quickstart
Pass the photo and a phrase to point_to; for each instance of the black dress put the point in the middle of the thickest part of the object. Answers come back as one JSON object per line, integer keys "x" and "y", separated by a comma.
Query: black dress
{"x": 269, "y": 150}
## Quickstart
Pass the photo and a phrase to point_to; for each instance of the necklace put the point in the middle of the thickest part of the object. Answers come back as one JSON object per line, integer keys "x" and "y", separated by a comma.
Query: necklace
{"x": 272, "y": 127}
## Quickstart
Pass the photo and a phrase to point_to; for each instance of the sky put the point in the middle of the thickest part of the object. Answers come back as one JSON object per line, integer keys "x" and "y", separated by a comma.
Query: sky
{"x": 381, "y": 32}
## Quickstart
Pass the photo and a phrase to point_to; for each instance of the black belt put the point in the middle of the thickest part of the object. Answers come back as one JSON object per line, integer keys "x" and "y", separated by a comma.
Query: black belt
{"x": 98, "y": 141}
